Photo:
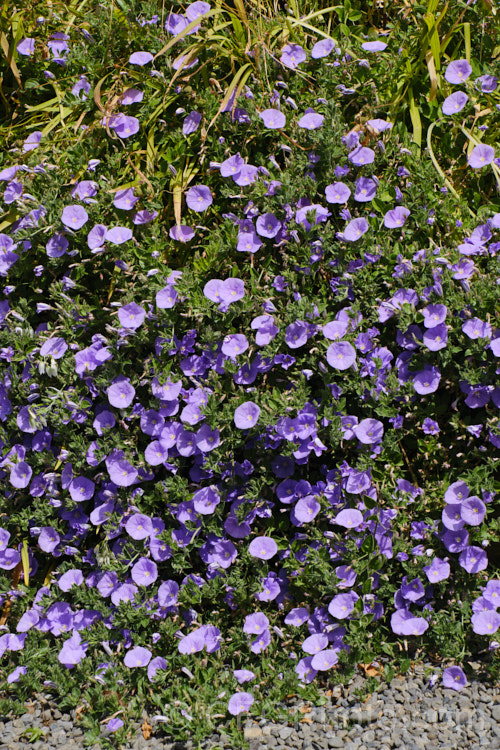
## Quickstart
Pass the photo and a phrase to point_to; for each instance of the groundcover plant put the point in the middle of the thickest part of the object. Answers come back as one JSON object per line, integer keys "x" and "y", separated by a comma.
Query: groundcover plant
{"x": 249, "y": 343}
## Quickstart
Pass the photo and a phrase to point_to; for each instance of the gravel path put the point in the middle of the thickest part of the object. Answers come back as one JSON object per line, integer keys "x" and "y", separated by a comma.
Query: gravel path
{"x": 409, "y": 713}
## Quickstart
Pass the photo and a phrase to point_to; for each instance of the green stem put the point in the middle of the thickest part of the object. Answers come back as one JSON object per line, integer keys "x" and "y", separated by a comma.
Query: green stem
{"x": 438, "y": 168}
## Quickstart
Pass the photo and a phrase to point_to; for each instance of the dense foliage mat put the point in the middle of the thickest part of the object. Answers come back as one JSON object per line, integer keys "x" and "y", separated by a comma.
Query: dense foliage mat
{"x": 249, "y": 344}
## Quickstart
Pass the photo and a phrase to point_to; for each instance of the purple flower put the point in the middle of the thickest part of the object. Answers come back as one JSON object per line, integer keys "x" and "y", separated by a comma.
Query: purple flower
{"x": 354, "y": 230}
{"x": 452, "y": 518}
{"x": 477, "y": 329}
{"x": 246, "y": 415}
{"x": 191, "y": 123}
{"x": 369, "y": 431}
{"x": 430, "y": 427}
{"x": 118, "y": 235}
{"x": 306, "y": 509}
{"x": 273, "y": 118}
{"x": 243, "y": 675}
{"x": 74, "y": 216}
{"x": 120, "y": 393}
{"x": 4, "y": 539}
{"x": 140, "y": 58}
{"x": 156, "y": 453}
{"x": 314, "y": 643}
{"x": 72, "y": 651}
{"x": 404, "y": 623}
{"x": 144, "y": 572}
{"x": 305, "y": 670}
{"x": 456, "y": 492}
{"x": 131, "y": 316}
{"x": 18, "y": 671}
{"x": 396, "y": 217}
{"x": 319, "y": 212}
{"x": 434, "y": 315}
{"x": 311, "y": 120}
{"x": 96, "y": 236}
{"x": 81, "y": 88}
{"x": 166, "y": 297}
{"x": 297, "y": 616}
{"x": 26, "y": 46}
{"x": 81, "y": 489}
{"x": 181, "y": 233}
{"x": 199, "y": 198}
{"x": 324, "y": 660}
{"x": 121, "y": 472}
{"x": 341, "y": 355}
{"x": 152, "y": 423}
{"x": 485, "y": 623}
{"x": 32, "y": 141}
{"x": 239, "y": 702}
{"x": 234, "y": 345}
{"x": 247, "y": 174}
{"x": 438, "y": 570}
{"x": 455, "y": 103}
{"x": 125, "y": 199}
{"x": 492, "y": 592}
{"x": 322, "y": 48}
{"x": 124, "y": 125}
{"x": 175, "y": 23}
{"x": 454, "y": 678}
{"x": 167, "y": 593}
{"x": 486, "y": 84}
{"x": 292, "y": 55}
{"x": 114, "y": 724}
{"x": 473, "y": 511}
{"x": 207, "y": 439}
{"x": 335, "y": 329}
{"x": 436, "y": 338}
{"x": 84, "y": 190}
{"x": 473, "y": 559}
{"x": 378, "y": 125}
{"x": 349, "y": 518}
{"x": 69, "y": 579}
{"x": 426, "y": 380}
{"x": 263, "y": 547}
{"x": 248, "y": 242}
{"x": 20, "y": 475}
{"x": 376, "y": 46}
{"x": 458, "y": 71}
{"x": 361, "y": 155}
{"x": 366, "y": 188}
{"x": 206, "y": 500}
{"x": 338, "y": 192}
{"x": 154, "y": 666}
{"x": 455, "y": 541}
{"x": 267, "y": 225}
{"x": 56, "y": 246}
{"x": 139, "y": 526}
{"x": 197, "y": 9}
{"x": 54, "y": 347}
{"x": 342, "y": 605}
{"x": 255, "y": 624}
{"x": 481, "y": 156}
{"x": 48, "y": 540}
{"x": 232, "y": 165}
{"x": 131, "y": 96}
{"x": 137, "y": 657}
{"x": 296, "y": 334}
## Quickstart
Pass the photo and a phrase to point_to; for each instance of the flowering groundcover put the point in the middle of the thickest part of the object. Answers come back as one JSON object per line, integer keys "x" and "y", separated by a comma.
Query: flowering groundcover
{"x": 250, "y": 470}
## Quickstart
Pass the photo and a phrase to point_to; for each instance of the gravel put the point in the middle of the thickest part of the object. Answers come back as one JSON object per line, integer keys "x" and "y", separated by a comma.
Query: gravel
{"x": 409, "y": 713}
